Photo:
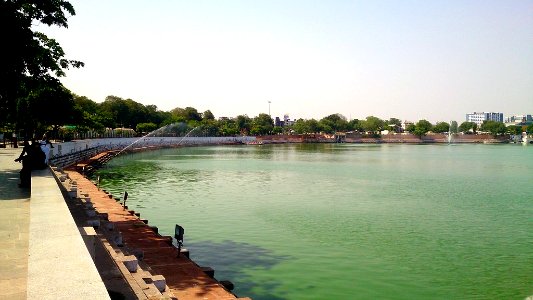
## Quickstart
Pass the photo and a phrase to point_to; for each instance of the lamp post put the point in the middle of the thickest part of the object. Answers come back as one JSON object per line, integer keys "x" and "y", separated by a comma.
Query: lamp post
{"x": 269, "y": 108}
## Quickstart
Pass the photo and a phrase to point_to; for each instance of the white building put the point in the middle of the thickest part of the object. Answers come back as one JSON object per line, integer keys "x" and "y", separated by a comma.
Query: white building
{"x": 406, "y": 124}
{"x": 479, "y": 117}
{"x": 519, "y": 120}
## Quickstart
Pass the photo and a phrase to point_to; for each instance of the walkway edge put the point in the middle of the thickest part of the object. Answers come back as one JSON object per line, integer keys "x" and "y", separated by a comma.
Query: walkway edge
{"x": 59, "y": 264}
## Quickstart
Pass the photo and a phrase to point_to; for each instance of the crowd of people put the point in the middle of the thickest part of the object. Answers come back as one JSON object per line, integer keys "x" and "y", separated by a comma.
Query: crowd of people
{"x": 34, "y": 156}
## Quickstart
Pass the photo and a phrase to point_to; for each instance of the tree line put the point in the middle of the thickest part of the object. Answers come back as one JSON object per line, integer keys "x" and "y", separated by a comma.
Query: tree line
{"x": 117, "y": 112}
{"x": 33, "y": 99}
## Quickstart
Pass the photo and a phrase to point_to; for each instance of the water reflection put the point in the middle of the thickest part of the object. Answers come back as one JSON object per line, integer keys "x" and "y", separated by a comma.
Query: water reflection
{"x": 231, "y": 260}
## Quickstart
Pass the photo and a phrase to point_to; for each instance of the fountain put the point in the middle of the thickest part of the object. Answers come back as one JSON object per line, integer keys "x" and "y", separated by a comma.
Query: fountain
{"x": 450, "y": 133}
{"x": 180, "y": 126}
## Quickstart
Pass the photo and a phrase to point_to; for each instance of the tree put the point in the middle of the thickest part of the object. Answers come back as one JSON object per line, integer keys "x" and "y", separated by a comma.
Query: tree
{"x": 277, "y": 130}
{"x": 411, "y": 128}
{"x": 228, "y": 127}
{"x": 145, "y": 127}
{"x": 514, "y": 129}
{"x": 333, "y": 123}
{"x": 208, "y": 115}
{"x": 355, "y": 125}
{"x": 468, "y": 127}
{"x": 373, "y": 124}
{"x": 262, "y": 124}
{"x": 529, "y": 129}
{"x": 494, "y": 127}
{"x": 441, "y": 127}
{"x": 31, "y": 61}
{"x": 244, "y": 124}
{"x": 394, "y": 125}
{"x": 422, "y": 127}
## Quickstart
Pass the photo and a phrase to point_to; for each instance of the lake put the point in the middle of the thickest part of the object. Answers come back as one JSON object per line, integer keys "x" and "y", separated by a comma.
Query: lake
{"x": 345, "y": 221}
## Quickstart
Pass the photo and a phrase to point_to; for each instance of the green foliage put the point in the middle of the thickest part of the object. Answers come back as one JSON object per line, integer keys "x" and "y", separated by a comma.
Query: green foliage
{"x": 422, "y": 127}
{"x": 146, "y": 127}
{"x": 495, "y": 128}
{"x": 529, "y": 129}
{"x": 208, "y": 115}
{"x": 333, "y": 123}
{"x": 514, "y": 129}
{"x": 228, "y": 127}
{"x": 31, "y": 62}
{"x": 261, "y": 125}
{"x": 394, "y": 124}
{"x": 441, "y": 127}
{"x": 373, "y": 124}
{"x": 46, "y": 104}
{"x": 468, "y": 127}
{"x": 244, "y": 124}
{"x": 277, "y": 130}
{"x": 187, "y": 114}
{"x": 302, "y": 126}
{"x": 355, "y": 125}
{"x": 411, "y": 128}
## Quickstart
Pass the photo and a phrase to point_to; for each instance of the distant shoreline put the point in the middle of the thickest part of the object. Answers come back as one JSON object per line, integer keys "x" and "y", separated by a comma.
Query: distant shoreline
{"x": 356, "y": 138}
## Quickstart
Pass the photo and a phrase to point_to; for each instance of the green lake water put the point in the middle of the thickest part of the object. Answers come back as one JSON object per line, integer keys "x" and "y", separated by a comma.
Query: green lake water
{"x": 345, "y": 221}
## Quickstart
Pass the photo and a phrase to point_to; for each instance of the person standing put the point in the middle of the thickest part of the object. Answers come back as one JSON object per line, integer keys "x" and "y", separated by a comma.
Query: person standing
{"x": 14, "y": 140}
{"x": 45, "y": 147}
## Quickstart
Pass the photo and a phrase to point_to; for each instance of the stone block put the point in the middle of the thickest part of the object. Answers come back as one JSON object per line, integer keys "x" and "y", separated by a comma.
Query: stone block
{"x": 131, "y": 263}
{"x": 208, "y": 271}
{"x": 93, "y": 223}
{"x": 160, "y": 282}
{"x": 90, "y": 213}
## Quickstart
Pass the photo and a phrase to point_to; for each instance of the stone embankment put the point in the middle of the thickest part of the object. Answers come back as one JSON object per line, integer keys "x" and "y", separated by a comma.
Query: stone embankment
{"x": 358, "y": 138}
{"x": 148, "y": 262}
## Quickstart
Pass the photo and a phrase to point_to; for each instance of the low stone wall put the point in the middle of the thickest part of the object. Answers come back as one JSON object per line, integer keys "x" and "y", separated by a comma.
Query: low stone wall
{"x": 68, "y": 153}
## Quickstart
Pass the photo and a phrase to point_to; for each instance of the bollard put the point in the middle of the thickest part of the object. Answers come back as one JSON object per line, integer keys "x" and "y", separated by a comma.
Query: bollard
{"x": 131, "y": 263}
{"x": 159, "y": 282}
{"x": 208, "y": 271}
{"x": 228, "y": 285}
{"x": 155, "y": 229}
{"x": 93, "y": 223}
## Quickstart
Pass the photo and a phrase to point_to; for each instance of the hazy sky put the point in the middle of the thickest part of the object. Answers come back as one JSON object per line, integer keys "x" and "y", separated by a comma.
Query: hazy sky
{"x": 407, "y": 59}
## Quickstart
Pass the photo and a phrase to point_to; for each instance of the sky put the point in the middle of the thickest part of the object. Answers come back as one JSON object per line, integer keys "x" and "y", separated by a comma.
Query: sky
{"x": 412, "y": 60}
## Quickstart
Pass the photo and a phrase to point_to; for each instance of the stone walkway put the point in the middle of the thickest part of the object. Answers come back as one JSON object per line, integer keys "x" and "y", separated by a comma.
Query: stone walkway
{"x": 14, "y": 228}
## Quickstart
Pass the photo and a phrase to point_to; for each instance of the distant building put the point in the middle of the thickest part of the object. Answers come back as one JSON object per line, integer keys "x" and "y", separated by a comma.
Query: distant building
{"x": 406, "y": 124}
{"x": 519, "y": 120}
{"x": 286, "y": 121}
{"x": 480, "y": 117}
{"x": 278, "y": 122}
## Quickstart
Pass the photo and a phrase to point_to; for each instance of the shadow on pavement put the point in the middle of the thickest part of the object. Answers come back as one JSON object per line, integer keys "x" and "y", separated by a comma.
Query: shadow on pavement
{"x": 9, "y": 189}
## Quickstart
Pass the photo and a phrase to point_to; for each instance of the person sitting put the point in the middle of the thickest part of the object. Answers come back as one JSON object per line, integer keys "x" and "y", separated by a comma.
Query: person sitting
{"x": 32, "y": 158}
{"x": 25, "y": 159}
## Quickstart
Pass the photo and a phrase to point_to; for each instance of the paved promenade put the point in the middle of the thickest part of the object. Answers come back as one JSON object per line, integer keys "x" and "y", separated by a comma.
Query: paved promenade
{"x": 42, "y": 254}
{"x": 14, "y": 228}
